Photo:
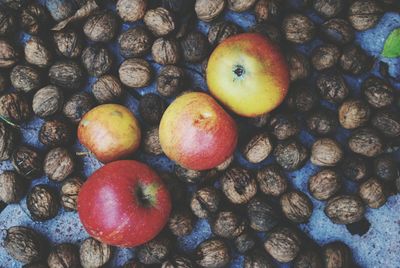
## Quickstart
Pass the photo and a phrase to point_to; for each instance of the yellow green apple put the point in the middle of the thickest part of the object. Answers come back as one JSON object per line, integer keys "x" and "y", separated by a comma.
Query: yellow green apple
{"x": 248, "y": 74}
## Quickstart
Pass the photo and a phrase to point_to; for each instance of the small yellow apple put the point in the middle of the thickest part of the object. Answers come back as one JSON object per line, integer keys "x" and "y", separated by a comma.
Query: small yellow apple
{"x": 248, "y": 74}
{"x": 110, "y": 132}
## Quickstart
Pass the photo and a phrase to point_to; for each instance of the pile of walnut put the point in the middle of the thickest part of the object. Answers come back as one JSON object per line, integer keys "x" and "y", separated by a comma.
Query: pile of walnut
{"x": 45, "y": 77}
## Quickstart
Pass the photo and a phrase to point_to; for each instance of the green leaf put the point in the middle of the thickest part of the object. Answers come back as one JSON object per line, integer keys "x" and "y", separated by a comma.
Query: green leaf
{"x": 392, "y": 45}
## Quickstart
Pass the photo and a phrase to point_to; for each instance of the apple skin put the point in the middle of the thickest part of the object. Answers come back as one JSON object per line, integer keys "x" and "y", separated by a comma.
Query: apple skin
{"x": 196, "y": 132}
{"x": 248, "y": 74}
{"x": 124, "y": 203}
{"x": 110, "y": 132}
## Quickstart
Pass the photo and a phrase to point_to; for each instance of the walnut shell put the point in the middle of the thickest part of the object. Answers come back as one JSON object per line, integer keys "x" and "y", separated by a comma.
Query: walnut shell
{"x": 68, "y": 43}
{"x": 151, "y": 142}
{"x": 28, "y": 162}
{"x": 166, "y": 51}
{"x": 154, "y": 251}
{"x": 37, "y": 52}
{"x": 170, "y": 81}
{"x": 337, "y": 254}
{"x": 372, "y": 193}
{"x": 77, "y": 106}
{"x": 107, "y": 89}
{"x": 131, "y": 10}
{"x": 25, "y": 78}
{"x": 262, "y": 216}
{"x": 93, "y": 253}
{"x": 272, "y": 180}
{"x": 212, "y": 253}
{"x": 135, "y": 73}
{"x": 135, "y": 42}
{"x": 377, "y": 92}
{"x": 8, "y": 139}
{"x": 101, "y": 27}
{"x": 63, "y": 256}
{"x": 67, "y": 75}
{"x": 366, "y": 141}
{"x": 324, "y": 184}
{"x": 345, "y": 209}
{"x": 258, "y": 148}
{"x": 47, "y": 101}
{"x": 227, "y": 224}
{"x": 207, "y": 10}
{"x": 159, "y": 21}
{"x": 42, "y": 203}
{"x": 326, "y": 152}
{"x": 240, "y": 5}
{"x": 181, "y": 222}
{"x": 205, "y": 202}
{"x": 12, "y": 187}
{"x": 55, "y": 133}
{"x": 283, "y": 244}
{"x": 8, "y": 54}
{"x": 354, "y": 114}
{"x": 97, "y": 60}
{"x": 298, "y": 28}
{"x": 24, "y": 244}
{"x": 365, "y": 14}
{"x": 296, "y": 206}
{"x": 290, "y": 154}
{"x": 239, "y": 185}
{"x": 69, "y": 193}
{"x": 58, "y": 164}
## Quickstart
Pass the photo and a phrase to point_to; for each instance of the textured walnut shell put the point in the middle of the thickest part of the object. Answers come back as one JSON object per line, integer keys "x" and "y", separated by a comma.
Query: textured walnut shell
{"x": 302, "y": 98}
{"x": 151, "y": 108}
{"x": 212, "y": 253}
{"x": 189, "y": 175}
{"x": 205, "y": 202}
{"x": 245, "y": 242}
{"x": 151, "y": 142}
{"x": 332, "y": 87}
{"x": 101, "y": 27}
{"x": 170, "y": 81}
{"x": 181, "y": 222}
{"x": 7, "y": 22}
{"x": 272, "y": 180}
{"x": 37, "y": 52}
{"x": 155, "y": 251}
{"x": 284, "y": 126}
{"x": 298, "y": 28}
{"x": 221, "y": 30}
{"x": 239, "y": 185}
{"x": 325, "y": 56}
{"x": 8, "y": 140}
{"x": 42, "y": 203}
{"x": 387, "y": 122}
{"x": 47, "y": 101}
{"x": 12, "y": 187}
{"x": 240, "y": 5}
{"x": 326, "y": 152}
{"x": 322, "y": 122}
{"x": 299, "y": 65}
{"x": 68, "y": 43}
{"x": 296, "y": 206}
{"x": 324, "y": 184}
{"x": 175, "y": 261}
{"x": 377, "y": 92}
{"x": 166, "y": 51}
{"x": 195, "y": 47}
{"x": 55, "y": 133}
{"x": 386, "y": 168}
{"x": 24, "y": 244}
{"x": 262, "y": 216}
{"x": 290, "y": 154}
{"x": 366, "y": 141}
{"x": 58, "y": 164}
{"x": 69, "y": 193}
{"x": 107, "y": 89}
{"x": 337, "y": 31}
{"x": 328, "y": 9}
{"x": 267, "y": 9}
{"x": 308, "y": 258}
{"x": 34, "y": 18}
{"x": 354, "y": 60}
{"x": 63, "y": 256}
{"x": 135, "y": 73}
{"x": 354, "y": 114}
{"x": 77, "y": 106}
{"x": 159, "y": 21}
{"x": 364, "y": 15}
{"x": 345, "y": 209}
{"x": 355, "y": 167}
{"x": 97, "y": 60}
{"x": 372, "y": 193}
{"x": 25, "y": 78}
{"x": 258, "y": 258}
{"x": 283, "y": 244}
{"x": 66, "y": 74}
{"x": 227, "y": 224}
{"x": 258, "y": 148}
{"x": 27, "y": 162}
{"x": 337, "y": 254}
{"x": 8, "y": 54}
{"x": 135, "y": 42}
{"x": 131, "y": 10}
{"x": 93, "y": 253}
{"x": 207, "y": 10}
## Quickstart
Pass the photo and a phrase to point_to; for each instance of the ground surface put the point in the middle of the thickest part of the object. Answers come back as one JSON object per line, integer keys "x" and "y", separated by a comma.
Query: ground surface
{"x": 378, "y": 247}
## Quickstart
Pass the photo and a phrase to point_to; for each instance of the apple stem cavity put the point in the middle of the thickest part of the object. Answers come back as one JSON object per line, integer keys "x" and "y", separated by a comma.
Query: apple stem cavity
{"x": 239, "y": 71}
{"x": 146, "y": 194}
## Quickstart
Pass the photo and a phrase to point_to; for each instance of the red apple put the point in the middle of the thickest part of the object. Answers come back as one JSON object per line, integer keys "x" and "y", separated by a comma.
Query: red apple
{"x": 124, "y": 203}
{"x": 197, "y": 133}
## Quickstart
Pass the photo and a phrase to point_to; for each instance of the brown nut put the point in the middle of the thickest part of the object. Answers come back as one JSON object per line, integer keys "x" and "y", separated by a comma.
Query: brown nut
{"x": 283, "y": 244}
{"x": 326, "y": 152}
{"x": 239, "y": 185}
{"x": 296, "y": 206}
{"x": 324, "y": 184}
{"x": 345, "y": 209}
{"x": 135, "y": 73}
{"x": 372, "y": 193}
